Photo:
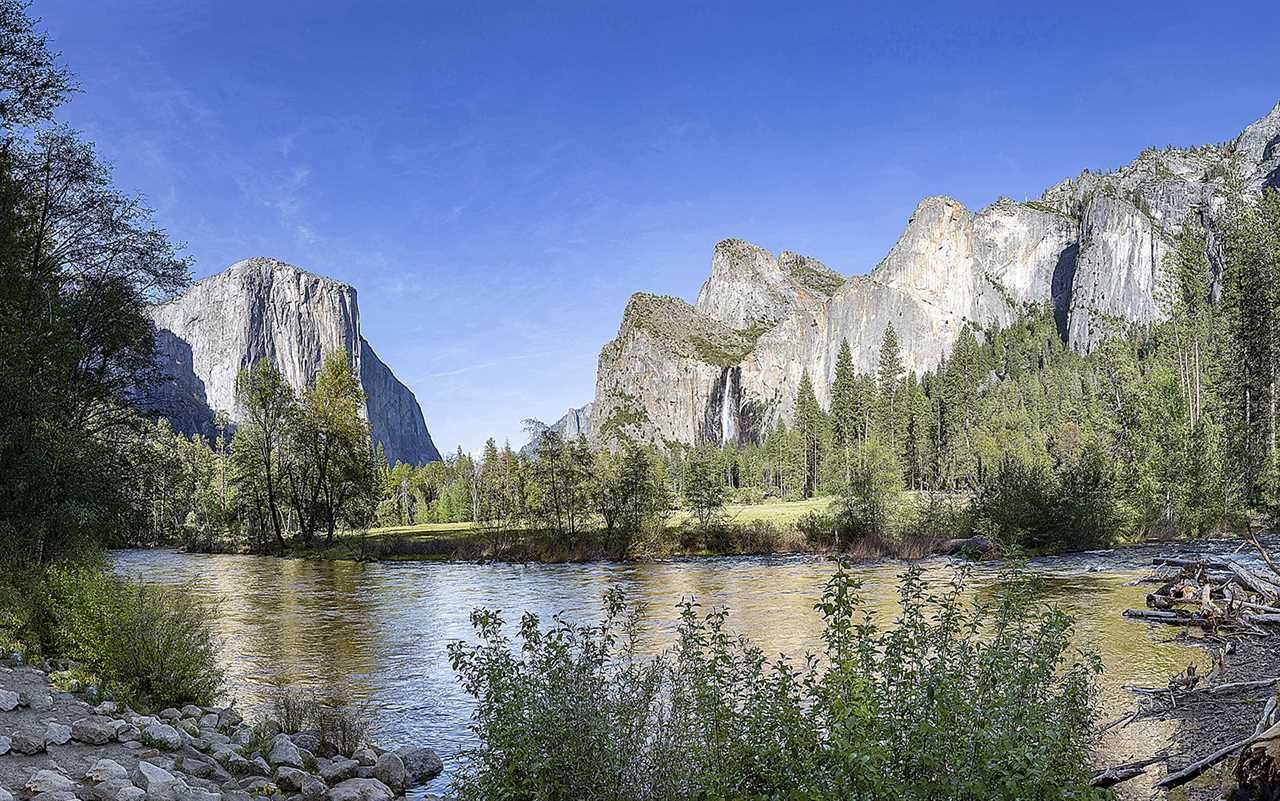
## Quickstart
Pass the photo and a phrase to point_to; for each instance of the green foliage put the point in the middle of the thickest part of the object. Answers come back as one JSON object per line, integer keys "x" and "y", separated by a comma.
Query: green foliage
{"x": 704, "y": 489}
{"x": 977, "y": 700}
{"x": 153, "y": 646}
{"x": 866, "y": 507}
{"x": 1026, "y": 504}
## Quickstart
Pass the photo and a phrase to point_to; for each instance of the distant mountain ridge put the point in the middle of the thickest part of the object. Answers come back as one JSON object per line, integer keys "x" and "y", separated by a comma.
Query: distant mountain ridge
{"x": 571, "y": 425}
{"x": 262, "y": 308}
{"x": 728, "y": 366}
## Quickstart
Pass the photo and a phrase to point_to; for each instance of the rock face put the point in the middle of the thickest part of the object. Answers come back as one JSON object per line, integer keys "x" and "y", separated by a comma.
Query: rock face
{"x": 1092, "y": 247}
{"x": 265, "y": 309}
{"x": 574, "y": 423}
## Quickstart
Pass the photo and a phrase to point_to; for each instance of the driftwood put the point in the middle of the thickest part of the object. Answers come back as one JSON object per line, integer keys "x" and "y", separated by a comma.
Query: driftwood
{"x": 1222, "y": 596}
{"x": 1123, "y": 773}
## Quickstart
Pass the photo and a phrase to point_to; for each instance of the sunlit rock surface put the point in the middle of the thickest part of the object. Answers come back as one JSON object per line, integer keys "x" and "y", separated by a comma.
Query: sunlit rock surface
{"x": 266, "y": 309}
{"x": 1092, "y": 247}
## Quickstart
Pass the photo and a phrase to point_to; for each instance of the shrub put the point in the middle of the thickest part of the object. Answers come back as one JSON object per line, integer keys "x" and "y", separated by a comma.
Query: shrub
{"x": 961, "y": 698}
{"x": 1026, "y": 504}
{"x": 341, "y": 722}
{"x": 152, "y": 646}
{"x": 328, "y": 712}
{"x": 818, "y": 528}
{"x": 867, "y": 507}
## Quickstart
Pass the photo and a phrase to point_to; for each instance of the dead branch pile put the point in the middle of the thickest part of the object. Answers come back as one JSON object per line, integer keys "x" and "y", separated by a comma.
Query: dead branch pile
{"x": 1229, "y": 600}
{"x": 1214, "y": 595}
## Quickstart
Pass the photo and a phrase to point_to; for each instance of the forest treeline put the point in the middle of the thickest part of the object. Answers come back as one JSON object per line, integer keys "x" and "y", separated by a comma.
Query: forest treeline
{"x": 1166, "y": 429}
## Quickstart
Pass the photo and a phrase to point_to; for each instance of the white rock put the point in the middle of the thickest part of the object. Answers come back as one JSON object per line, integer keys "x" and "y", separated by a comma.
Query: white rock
{"x": 361, "y": 790}
{"x": 161, "y": 735}
{"x": 105, "y": 769}
{"x": 49, "y": 781}
{"x": 57, "y": 734}
{"x": 160, "y": 784}
{"x": 284, "y": 752}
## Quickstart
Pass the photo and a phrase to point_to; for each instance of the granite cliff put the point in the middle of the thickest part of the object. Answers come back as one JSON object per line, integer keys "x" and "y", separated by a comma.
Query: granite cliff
{"x": 266, "y": 309}
{"x": 571, "y": 425}
{"x": 726, "y": 367}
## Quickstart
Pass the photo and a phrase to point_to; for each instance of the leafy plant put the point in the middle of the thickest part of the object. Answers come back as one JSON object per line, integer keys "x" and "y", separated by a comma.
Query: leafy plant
{"x": 963, "y": 697}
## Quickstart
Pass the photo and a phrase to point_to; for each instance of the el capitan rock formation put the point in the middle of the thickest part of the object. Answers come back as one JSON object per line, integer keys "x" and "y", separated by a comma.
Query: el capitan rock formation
{"x": 728, "y": 366}
{"x": 263, "y": 308}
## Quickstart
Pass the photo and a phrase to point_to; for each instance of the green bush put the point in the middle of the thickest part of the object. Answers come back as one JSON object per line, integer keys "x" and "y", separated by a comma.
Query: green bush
{"x": 152, "y": 646}
{"x": 1027, "y": 504}
{"x": 818, "y": 528}
{"x": 960, "y": 699}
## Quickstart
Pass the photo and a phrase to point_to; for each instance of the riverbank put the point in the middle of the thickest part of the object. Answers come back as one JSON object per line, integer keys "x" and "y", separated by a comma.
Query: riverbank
{"x": 56, "y": 746}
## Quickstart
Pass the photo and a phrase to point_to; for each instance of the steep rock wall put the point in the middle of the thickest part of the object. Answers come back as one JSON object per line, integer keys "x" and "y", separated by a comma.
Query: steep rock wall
{"x": 266, "y": 309}
{"x": 1092, "y": 247}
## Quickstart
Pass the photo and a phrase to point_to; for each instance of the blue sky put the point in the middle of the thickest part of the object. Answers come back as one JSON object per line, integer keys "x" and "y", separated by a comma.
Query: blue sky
{"x": 497, "y": 179}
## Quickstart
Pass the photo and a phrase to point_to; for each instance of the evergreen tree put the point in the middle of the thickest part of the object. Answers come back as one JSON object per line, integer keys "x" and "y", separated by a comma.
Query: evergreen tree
{"x": 810, "y": 424}
{"x": 845, "y": 431}
{"x": 889, "y": 417}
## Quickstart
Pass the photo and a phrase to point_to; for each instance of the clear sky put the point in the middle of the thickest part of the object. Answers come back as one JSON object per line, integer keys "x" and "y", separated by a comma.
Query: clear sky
{"x": 497, "y": 178}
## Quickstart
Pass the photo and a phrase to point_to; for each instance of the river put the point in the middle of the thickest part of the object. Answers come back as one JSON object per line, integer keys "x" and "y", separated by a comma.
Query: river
{"x": 380, "y": 630}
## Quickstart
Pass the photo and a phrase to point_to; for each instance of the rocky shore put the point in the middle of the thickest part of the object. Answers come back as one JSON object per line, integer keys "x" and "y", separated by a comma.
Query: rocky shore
{"x": 56, "y": 746}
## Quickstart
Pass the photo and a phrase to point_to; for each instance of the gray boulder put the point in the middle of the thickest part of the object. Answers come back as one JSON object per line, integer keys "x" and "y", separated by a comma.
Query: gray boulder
{"x": 27, "y": 741}
{"x": 284, "y": 752}
{"x": 4, "y": 745}
{"x": 313, "y": 789}
{"x": 170, "y": 714}
{"x": 365, "y": 756}
{"x": 162, "y": 736}
{"x": 191, "y": 711}
{"x": 57, "y": 734}
{"x": 49, "y": 781}
{"x": 389, "y": 769}
{"x": 229, "y": 718}
{"x": 290, "y": 779}
{"x": 94, "y": 730}
{"x": 117, "y": 790}
{"x": 159, "y": 784}
{"x": 338, "y": 770}
{"x": 105, "y": 770}
{"x": 361, "y": 790}
{"x": 421, "y": 765}
{"x": 8, "y": 700}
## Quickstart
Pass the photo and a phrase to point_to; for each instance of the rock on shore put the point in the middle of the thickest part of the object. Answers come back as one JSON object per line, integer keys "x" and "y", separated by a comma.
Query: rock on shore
{"x": 55, "y": 746}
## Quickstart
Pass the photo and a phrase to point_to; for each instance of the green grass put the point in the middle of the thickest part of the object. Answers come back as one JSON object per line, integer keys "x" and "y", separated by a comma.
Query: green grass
{"x": 426, "y": 531}
{"x": 780, "y": 513}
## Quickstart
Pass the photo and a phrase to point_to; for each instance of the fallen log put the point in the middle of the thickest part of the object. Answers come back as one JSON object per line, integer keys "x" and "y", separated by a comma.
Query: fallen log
{"x": 1210, "y": 564}
{"x": 1238, "y": 686}
{"x": 1200, "y": 766}
{"x": 1252, "y": 581}
{"x": 1172, "y": 618}
{"x": 1123, "y": 773}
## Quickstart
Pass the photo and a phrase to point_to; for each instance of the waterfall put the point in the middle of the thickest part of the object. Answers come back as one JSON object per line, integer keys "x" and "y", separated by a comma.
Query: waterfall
{"x": 728, "y": 409}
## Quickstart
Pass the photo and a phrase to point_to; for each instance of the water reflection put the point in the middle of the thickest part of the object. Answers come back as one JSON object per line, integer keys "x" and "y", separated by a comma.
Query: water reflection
{"x": 380, "y": 630}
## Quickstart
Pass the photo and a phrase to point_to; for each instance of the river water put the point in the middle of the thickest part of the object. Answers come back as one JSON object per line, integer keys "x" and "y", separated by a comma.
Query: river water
{"x": 380, "y": 630}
